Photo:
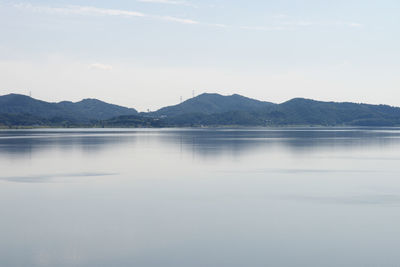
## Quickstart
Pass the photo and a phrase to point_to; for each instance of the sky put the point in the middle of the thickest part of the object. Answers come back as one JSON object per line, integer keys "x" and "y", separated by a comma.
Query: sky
{"x": 147, "y": 54}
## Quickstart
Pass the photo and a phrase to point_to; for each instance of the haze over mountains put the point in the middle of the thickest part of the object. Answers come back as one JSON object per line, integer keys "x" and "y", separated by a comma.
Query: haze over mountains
{"x": 203, "y": 110}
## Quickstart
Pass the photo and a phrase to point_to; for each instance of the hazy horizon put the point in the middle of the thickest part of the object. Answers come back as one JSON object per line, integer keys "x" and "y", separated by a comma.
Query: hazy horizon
{"x": 146, "y": 54}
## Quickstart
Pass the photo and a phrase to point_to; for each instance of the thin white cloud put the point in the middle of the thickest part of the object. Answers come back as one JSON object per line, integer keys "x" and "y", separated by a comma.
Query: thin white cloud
{"x": 219, "y": 25}
{"x": 162, "y": 2}
{"x": 349, "y": 24}
{"x": 80, "y": 10}
{"x": 100, "y": 66}
{"x": 179, "y": 20}
{"x": 286, "y": 21}
{"x": 282, "y": 24}
{"x": 280, "y": 16}
{"x": 297, "y": 23}
{"x": 262, "y": 28}
{"x": 103, "y": 11}
{"x": 88, "y": 10}
{"x": 354, "y": 24}
{"x": 168, "y": 2}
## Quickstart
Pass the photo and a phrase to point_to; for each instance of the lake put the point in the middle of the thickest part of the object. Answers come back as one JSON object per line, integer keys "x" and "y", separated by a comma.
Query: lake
{"x": 200, "y": 197}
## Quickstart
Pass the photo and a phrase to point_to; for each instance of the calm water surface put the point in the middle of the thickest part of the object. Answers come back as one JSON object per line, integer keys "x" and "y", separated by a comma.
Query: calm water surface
{"x": 200, "y": 197}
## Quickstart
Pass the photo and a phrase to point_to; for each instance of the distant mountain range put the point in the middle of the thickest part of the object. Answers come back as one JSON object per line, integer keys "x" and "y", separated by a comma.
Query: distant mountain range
{"x": 21, "y": 107}
{"x": 203, "y": 110}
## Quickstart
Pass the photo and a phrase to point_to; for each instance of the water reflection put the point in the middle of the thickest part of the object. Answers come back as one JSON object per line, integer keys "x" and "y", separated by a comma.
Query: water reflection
{"x": 306, "y": 171}
{"x": 381, "y": 200}
{"x": 52, "y": 178}
{"x": 203, "y": 142}
{"x": 252, "y": 197}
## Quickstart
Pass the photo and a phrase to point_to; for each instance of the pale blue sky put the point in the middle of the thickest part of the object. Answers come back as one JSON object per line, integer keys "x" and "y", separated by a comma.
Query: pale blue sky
{"x": 147, "y": 53}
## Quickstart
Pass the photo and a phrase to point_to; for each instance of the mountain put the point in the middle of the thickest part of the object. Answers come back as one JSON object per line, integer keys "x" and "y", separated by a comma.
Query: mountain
{"x": 203, "y": 110}
{"x": 79, "y": 112}
{"x": 21, "y": 104}
{"x": 96, "y": 109}
{"x": 212, "y": 103}
{"x": 298, "y": 111}
{"x": 18, "y": 120}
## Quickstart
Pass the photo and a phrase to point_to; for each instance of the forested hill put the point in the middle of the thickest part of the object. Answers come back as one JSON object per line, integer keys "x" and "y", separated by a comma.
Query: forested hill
{"x": 203, "y": 110}
{"x": 19, "y": 106}
{"x": 298, "y": 111}
{"x": 302, "y": 111}
{"x": 212, "y": 103}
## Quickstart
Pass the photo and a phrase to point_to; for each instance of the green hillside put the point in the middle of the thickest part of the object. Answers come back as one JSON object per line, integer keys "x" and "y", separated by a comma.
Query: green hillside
{"x": 212, "y": 103}
{"x": 203, "y": 110}
{"x": 84, "y": 111}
